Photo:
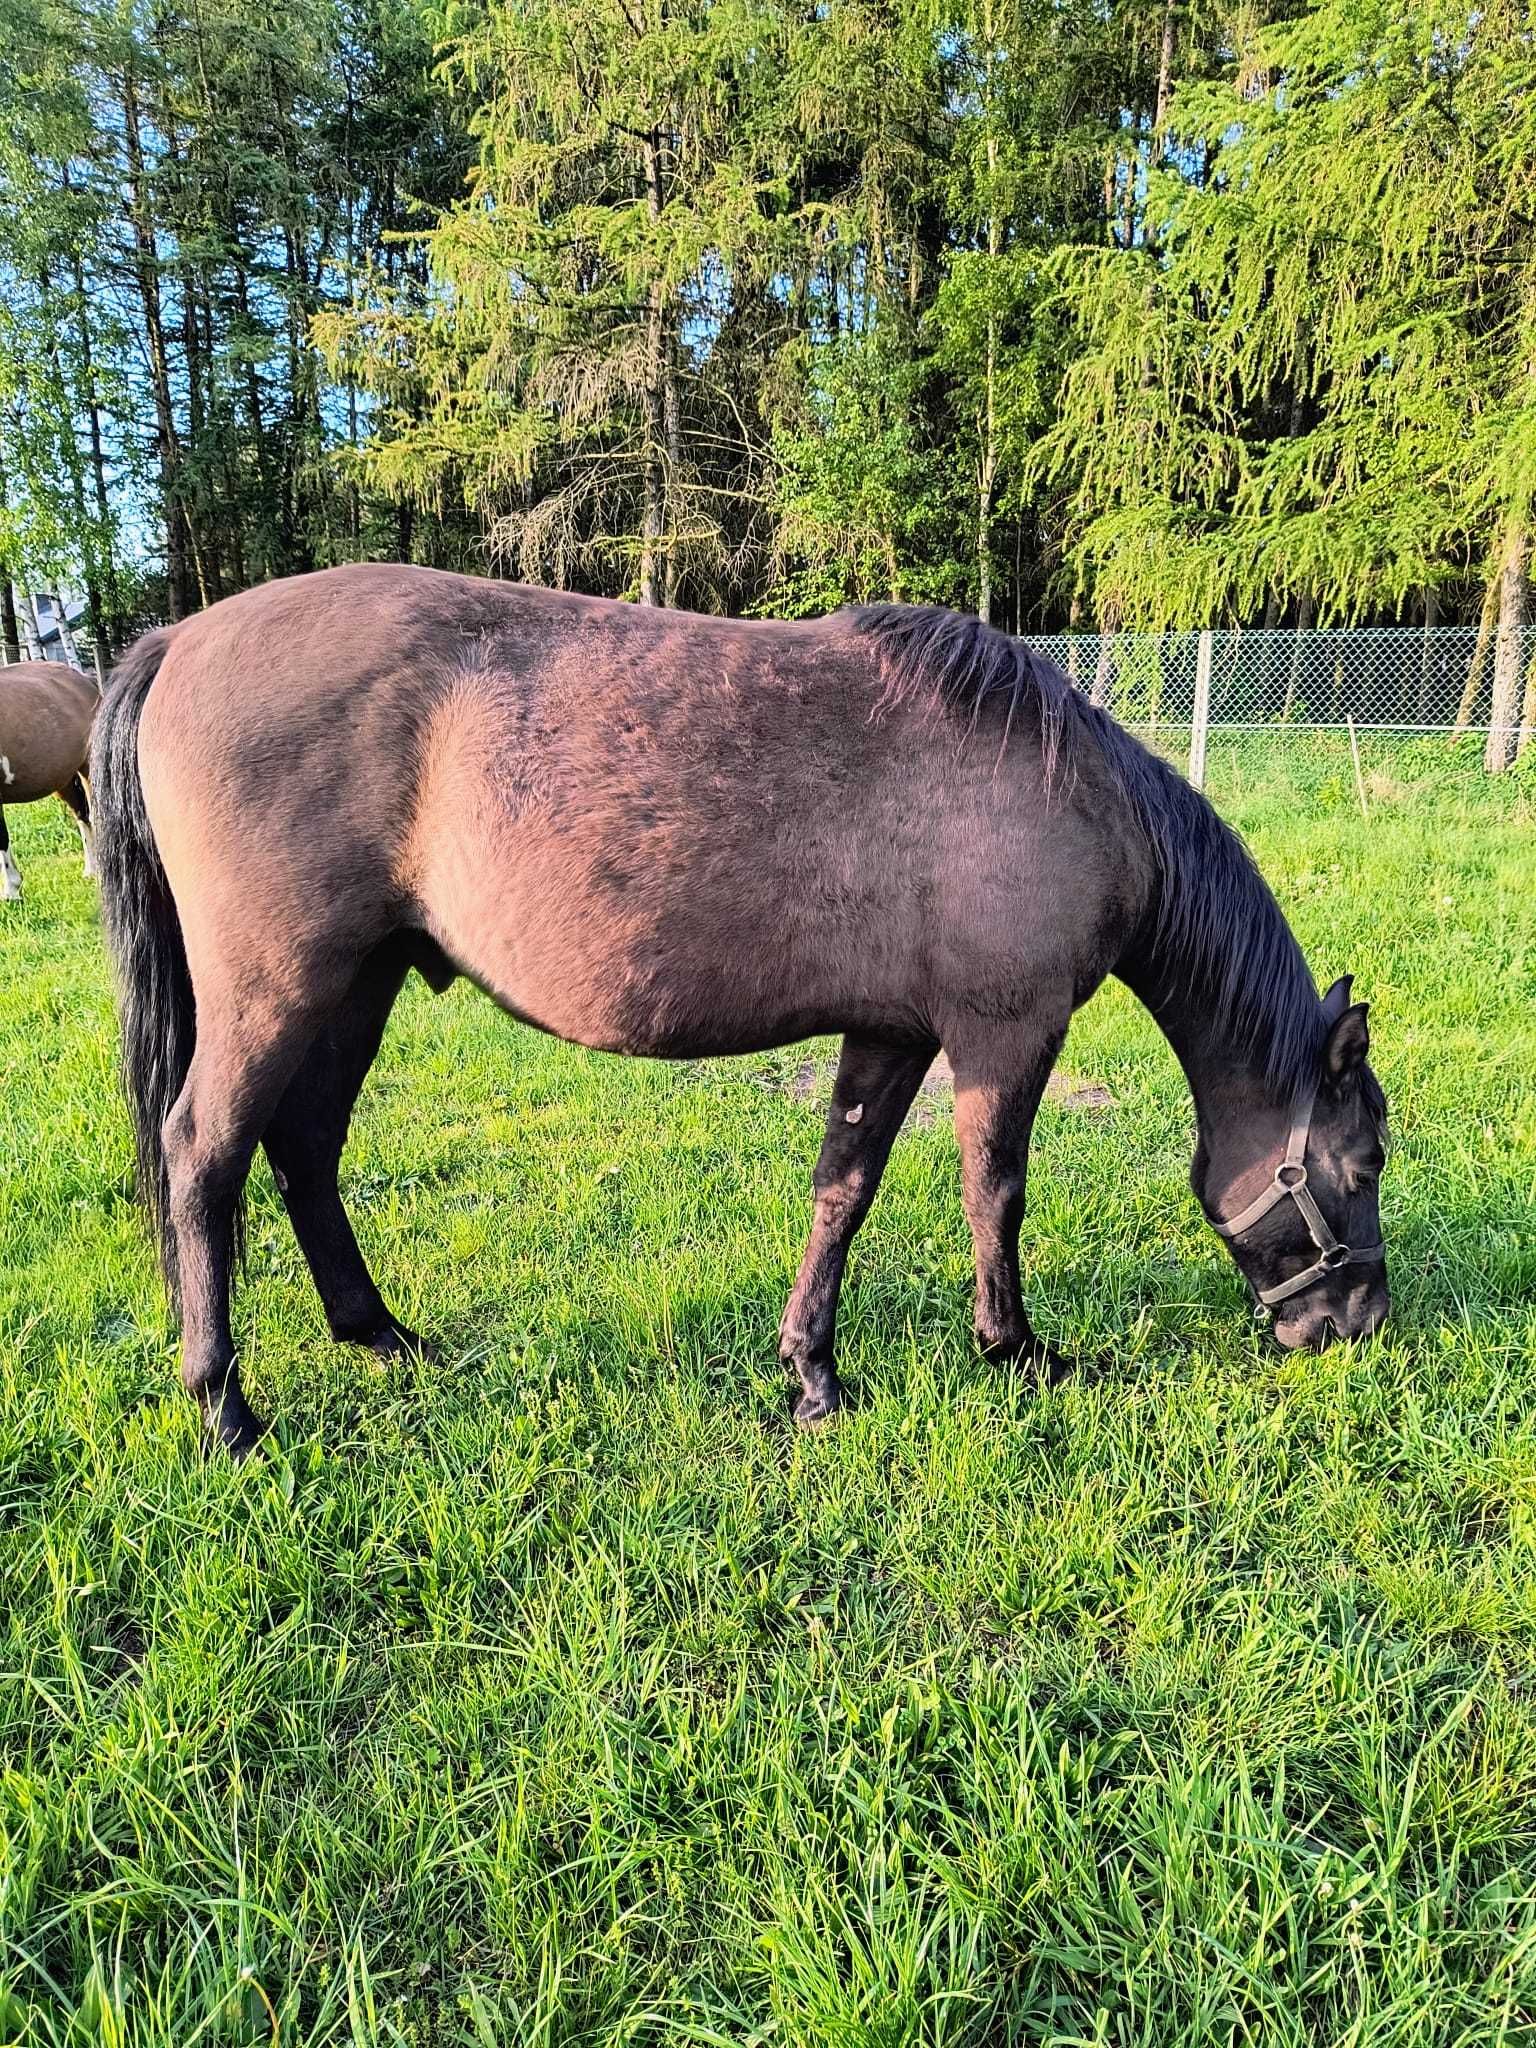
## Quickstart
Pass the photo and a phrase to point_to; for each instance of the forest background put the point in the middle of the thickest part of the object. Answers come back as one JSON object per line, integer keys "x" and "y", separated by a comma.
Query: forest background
{"x": 1126, "y": 315}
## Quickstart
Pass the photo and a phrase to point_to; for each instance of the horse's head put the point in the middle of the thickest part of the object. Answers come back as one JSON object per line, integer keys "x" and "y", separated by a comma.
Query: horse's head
{"x": 1294, "y": 1191}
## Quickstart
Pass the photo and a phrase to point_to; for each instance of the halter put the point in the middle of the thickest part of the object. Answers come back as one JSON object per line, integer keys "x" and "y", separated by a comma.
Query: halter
{"x": 1291, "y": 1179}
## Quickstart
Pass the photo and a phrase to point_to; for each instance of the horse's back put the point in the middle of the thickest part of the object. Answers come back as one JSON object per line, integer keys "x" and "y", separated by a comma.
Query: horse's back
{"x": 46, "y": 710}
{"x": 644, "y": 830}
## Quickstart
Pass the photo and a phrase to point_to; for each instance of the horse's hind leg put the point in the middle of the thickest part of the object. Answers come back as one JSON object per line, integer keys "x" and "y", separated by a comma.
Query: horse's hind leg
{"x": 10, "y": 874}
{"x": 304, "y": 1142}
{"x": 999, "y": 1080}
{"x": 873, "y": 1092}
{"x": 246, "y": 1054}
{"x": 74, "y": 795}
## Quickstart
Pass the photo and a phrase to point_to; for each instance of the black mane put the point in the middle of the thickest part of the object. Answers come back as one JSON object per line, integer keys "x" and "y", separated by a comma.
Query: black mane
{"x": 1218, "y": 936}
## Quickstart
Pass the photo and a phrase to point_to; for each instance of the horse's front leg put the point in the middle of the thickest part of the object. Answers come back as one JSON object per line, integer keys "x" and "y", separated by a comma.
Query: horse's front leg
{"x": 873, "y": 1092}
{"x": 999, "y": 1080}
{"x": 77, "y": 801}
{"x": 10, "y": 874}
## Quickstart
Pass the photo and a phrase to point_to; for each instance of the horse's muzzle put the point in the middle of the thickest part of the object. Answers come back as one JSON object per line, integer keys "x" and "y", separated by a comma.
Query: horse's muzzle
{"x": 1355, "y": 1310}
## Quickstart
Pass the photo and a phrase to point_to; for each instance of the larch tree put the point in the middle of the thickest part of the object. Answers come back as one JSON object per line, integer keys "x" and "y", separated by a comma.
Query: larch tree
{"x": 1309, "y": 382}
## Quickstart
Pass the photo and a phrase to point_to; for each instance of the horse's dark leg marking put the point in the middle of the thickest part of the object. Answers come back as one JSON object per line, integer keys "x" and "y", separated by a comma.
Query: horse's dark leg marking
{"x": 73, "y": 794}
{"x": 305, "y": 1140}
{"x": 240, "y": 1068}
{"x": 998, "y": 1085}
{"x": 873, "y": 1092}
{"x": 10, "y": 875}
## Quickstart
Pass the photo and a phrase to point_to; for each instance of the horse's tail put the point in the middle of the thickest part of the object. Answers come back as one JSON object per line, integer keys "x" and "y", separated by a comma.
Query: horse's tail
{"x": 143, "y": 931}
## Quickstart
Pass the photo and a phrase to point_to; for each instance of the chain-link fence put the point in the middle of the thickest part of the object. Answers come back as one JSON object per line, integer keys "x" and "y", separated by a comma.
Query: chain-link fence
{"x": 1190, "y": 693}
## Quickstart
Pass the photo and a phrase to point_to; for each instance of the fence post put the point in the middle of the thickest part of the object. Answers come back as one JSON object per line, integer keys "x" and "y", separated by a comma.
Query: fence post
{"x": 1202, "y": 717}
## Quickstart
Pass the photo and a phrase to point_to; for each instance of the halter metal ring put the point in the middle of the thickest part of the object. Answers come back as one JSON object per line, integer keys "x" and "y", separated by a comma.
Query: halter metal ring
{"x": 1291, "y": 1179}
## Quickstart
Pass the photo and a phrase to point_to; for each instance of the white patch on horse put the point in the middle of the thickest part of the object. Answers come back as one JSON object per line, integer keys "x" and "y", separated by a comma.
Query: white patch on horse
{"x": 87, "y": 846}
{"x": 5, "y": 769}
{"x": 10, "y": 878}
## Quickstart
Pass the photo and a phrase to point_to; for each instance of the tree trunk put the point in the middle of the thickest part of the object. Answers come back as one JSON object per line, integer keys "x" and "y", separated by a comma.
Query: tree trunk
{"x": 986, "y": 468}
{"x": 10, "y": 642}
{"x": 1103, "y": 670}
{"x": 146, "y": 270}
{"x": 67, "y": 640}
{"x": 100, "y": 569}
{"x": 1473, "y": 686}
{"x": 28, "y": 613}
{"x": 672, "y": 410}
{"x": 102, "y": 581}
{"x": 1165, "y": 73}
{"x": 1508, "y": 649}
{"x": 1111, "y": 173}
{"x": 203, "y": 532}
{"x": 653, "y": 485}
{"x": 264, "y": 563}
{"x": 1304, "y": 614}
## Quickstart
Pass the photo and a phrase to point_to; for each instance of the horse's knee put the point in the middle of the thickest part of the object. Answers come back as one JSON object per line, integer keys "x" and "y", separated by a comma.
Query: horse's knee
{"x": 842, "y": 1194}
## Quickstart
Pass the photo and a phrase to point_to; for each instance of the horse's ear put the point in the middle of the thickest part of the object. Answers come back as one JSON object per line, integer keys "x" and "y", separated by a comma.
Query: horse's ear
{"x": 1346, "y": 1046}
{"x": 1336, "y": 1002}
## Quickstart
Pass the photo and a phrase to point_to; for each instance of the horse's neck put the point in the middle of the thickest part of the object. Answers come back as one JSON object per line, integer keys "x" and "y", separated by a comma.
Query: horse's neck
{"x": 1226, "y": 1081}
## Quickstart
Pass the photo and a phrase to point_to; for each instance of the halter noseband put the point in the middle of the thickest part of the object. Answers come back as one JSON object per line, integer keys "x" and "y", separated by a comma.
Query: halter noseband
{"x": 1291, "y": 1179}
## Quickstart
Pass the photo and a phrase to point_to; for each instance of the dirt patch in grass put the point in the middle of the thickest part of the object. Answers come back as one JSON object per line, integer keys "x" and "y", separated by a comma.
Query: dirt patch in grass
{"x": 812, "y": 1081}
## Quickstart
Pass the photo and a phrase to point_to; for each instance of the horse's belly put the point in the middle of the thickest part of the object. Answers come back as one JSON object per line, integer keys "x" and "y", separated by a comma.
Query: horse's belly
{"x": 23, "y": 780}
{"x": 690, "y": 972}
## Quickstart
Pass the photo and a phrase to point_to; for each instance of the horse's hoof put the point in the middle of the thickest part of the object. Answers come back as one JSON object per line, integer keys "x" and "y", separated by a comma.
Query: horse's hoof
{"x": 816, "y": 1411}
{"x": 1051, "y": 1366}
{"x": 237, "y": 1440}
{"x": 398, "y": 1342}
{"x": 1041, "y": 1362}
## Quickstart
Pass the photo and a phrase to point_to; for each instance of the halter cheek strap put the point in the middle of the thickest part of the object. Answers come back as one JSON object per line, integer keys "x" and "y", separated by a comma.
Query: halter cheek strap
{"x": 1291, "y": 1180}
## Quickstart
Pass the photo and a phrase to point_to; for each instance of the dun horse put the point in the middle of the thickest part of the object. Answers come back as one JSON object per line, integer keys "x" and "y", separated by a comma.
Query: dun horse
{"x": 46, "y": 709}
{"x": 659, "y": 834}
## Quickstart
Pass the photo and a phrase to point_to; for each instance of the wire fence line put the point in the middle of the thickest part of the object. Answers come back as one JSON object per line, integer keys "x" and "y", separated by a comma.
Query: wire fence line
{"x": 1184, "y": 686}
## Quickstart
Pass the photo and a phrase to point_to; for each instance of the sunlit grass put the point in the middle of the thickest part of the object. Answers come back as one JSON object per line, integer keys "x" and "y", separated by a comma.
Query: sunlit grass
{"x": 560, "y": 1694}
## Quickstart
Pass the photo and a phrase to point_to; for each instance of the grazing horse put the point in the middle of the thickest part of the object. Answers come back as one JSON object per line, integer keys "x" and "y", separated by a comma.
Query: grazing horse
{"x": 662, "y": 834}
{"x": 46, "y": 709}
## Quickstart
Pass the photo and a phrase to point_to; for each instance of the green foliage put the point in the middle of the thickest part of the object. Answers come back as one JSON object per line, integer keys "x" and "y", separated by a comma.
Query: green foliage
{"x": 1313, "y": 377}
{"x": 861, "y": 510}
{"x": 1147, "y": 313}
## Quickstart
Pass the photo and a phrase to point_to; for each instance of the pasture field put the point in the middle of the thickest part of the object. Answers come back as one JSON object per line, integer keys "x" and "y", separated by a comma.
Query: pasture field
{"x": 559, "y": 1694}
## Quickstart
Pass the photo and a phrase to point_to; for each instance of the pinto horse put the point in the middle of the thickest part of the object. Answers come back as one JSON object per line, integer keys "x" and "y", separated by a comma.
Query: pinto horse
{"x": 676, "y": 836}
{"x": 46, "y": 709}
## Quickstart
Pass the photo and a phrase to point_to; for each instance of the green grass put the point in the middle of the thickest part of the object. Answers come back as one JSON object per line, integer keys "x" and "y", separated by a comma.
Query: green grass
{"x": 560, "y": 1694}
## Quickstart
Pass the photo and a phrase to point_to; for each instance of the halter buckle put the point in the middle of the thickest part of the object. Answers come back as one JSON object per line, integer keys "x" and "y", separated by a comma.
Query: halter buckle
{"x": 1335, "y": 1256}
{"x": 1291, "y": 1174}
